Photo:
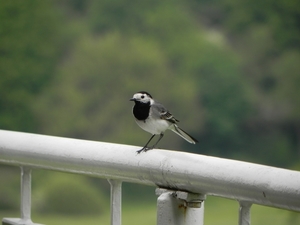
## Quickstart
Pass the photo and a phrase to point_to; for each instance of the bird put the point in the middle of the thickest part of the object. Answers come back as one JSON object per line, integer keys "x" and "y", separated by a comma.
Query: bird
{"x": 154, "y": 118}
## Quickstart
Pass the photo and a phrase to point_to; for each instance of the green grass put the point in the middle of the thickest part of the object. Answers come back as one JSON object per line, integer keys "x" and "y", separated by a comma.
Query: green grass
{"x": 225, "y": 212}
{"x": 217, "y": 211}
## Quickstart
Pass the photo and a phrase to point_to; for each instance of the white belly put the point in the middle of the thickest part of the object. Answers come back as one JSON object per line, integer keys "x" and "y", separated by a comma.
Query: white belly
{"x": 154, "y": 126}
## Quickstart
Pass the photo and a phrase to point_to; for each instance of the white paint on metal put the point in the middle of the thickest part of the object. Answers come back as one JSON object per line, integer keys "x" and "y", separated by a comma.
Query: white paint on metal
{"x": 115, "y": 202}
{"x": 173, "y": 208}
{"x": 179, "y": 171}
{"x": 17, "y": 221}
{"x": 25, "y": 201}
{"x": 25, "y": 193}
{"x": 244, "y": 213}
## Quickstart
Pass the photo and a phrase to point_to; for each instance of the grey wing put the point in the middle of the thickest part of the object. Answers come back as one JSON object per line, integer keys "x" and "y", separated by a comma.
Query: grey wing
{"x": 159, "y": 111}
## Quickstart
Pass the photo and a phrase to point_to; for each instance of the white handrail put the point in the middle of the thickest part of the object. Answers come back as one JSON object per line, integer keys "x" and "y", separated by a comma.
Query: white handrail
{"x": 246, "y": 182}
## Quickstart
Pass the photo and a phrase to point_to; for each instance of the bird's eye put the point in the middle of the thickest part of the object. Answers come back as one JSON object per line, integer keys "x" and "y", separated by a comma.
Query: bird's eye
{"x": 142, "y": 96}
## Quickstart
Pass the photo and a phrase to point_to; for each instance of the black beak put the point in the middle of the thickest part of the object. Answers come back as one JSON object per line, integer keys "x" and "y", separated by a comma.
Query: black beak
{"x": 132, "y": 99}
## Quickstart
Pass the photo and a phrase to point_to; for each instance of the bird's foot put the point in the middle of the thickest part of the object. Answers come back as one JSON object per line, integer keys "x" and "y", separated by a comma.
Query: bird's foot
{"x": 144, "y": 149}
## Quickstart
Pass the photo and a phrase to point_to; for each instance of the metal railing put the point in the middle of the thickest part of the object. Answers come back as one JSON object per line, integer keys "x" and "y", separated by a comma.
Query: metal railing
{"x": 183, "y": 179}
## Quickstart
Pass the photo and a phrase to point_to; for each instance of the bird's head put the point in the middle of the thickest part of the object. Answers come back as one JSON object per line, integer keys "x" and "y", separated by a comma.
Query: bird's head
{"x": 142, "y": 97}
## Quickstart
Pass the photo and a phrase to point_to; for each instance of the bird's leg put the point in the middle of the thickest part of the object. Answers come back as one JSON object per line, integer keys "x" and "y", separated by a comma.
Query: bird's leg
{"x": 160, "y": 137}
{"x": 145, "y": 148}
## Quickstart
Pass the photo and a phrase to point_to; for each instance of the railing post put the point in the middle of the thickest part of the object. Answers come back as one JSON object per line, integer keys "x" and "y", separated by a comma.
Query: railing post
{"x": 244, "y": 213}
{"x": 25, "y": 201}
{"x": 179, "y": 208}
{"x": 26, "y": 193}
{"x": 115, "y": 202}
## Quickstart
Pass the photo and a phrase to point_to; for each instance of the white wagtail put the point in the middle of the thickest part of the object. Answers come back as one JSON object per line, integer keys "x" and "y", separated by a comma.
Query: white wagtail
{"x": 154, "y": 118}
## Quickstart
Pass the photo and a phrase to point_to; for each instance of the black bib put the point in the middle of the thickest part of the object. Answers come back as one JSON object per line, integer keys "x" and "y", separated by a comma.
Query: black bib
{"x": 141, "y": 110}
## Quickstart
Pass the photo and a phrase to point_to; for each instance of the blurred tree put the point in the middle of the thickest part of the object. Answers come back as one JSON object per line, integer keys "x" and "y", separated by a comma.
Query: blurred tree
{"x": 232, "y": 82}
{"x": 141, "y": 46}
{"x": 281, "y": 16}
{"x": 89, "y": 98}
{"x": 265, "y": 36}
{"x": 226, "y": 98}
{"x": 150, "y": 55}
{"x": 68, "y": 194}
{"x": 29, "y": 47}
{"x": 9, "y": 188}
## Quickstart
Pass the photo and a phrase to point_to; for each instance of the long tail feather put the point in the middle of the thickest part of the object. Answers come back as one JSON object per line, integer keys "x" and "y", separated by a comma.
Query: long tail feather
{"x": 183, "y": 134}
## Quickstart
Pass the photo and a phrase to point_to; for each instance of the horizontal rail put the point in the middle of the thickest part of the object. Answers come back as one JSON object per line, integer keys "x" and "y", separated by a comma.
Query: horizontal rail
{"x": 245, "y": 182}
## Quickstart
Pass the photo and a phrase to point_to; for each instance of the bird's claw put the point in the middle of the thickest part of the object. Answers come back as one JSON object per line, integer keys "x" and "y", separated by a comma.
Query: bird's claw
{"x": 144, "y": 149}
